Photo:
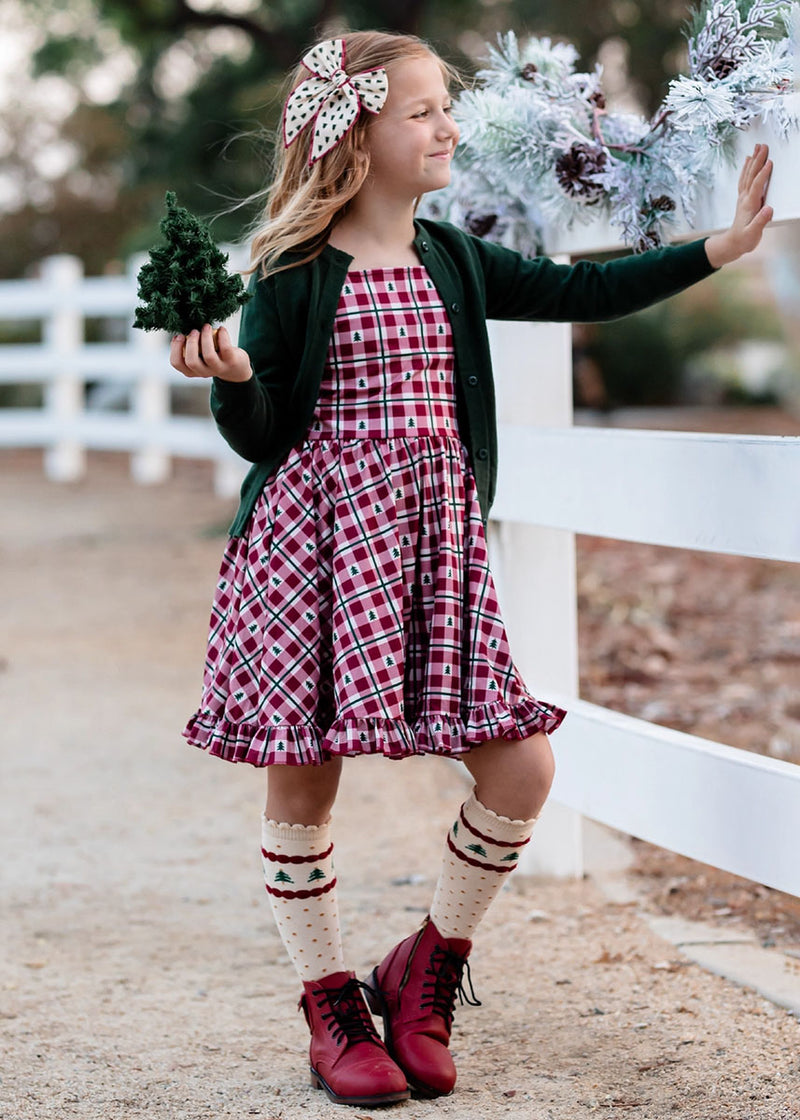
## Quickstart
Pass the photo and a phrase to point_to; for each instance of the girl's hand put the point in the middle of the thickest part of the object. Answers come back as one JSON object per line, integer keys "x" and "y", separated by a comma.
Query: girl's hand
{"x": 194, "y": 355}
{"x": 751, "y": 216}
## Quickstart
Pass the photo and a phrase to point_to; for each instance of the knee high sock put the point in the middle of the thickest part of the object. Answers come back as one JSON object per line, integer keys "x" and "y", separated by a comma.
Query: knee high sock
{"x": 301, "y": 887}
{"x": 481, "y": 849}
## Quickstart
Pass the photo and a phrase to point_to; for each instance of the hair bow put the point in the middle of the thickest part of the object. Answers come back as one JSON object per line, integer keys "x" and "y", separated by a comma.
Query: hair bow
{"x": 331, "y": 98}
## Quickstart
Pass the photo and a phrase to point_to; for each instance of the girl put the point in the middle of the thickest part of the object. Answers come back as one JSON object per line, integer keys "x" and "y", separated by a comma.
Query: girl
{"x": 355, "y": 611}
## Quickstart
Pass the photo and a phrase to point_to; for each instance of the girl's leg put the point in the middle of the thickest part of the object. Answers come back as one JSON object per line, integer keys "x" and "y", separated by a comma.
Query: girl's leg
{"x": 297, "y": 855}
{"x": 512, "y": 781}
{"x": 346, "y": 1056}
{"x": 416, "y": 984}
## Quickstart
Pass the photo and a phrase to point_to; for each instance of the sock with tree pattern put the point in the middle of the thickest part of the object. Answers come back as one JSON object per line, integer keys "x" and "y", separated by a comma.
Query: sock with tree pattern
{"x": 482, "y": 848}
{"x": 301, "y": 886}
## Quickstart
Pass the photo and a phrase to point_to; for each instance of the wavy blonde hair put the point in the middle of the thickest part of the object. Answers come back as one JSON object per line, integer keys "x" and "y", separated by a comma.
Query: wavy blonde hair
{"x": 304, "y": 203}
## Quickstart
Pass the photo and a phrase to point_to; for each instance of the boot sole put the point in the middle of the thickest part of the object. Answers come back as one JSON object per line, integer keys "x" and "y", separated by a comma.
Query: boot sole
{"x": 376, "y": 1001}
{"x": 319, "y": 1082}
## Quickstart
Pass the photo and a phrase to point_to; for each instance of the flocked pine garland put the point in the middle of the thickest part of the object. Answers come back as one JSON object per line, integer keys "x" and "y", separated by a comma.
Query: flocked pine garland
{"x": 539, "y": 147}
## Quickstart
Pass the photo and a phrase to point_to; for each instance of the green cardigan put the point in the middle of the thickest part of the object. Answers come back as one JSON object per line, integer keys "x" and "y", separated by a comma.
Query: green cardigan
{"x": 287, "y": 326}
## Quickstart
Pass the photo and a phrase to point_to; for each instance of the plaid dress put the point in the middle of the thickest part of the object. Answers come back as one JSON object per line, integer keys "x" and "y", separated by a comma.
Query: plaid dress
{"x": 357, "y": 615}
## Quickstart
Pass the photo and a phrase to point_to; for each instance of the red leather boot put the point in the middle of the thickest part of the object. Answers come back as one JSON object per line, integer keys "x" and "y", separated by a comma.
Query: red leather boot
{"x": 347, "y": 1058}
{"x": 414, "y": 988}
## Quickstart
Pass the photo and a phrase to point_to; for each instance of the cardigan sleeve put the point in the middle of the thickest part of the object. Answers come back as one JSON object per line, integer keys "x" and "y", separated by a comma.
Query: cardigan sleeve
{"x": 248, "y": 413}
{"x": 587, "y": 292}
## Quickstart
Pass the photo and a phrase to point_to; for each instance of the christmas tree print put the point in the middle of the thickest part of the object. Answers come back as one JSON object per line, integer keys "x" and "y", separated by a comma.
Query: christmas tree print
{"x": 316, "y": 874}
{"x": 478, "y": 849}
{"x": 185, "y": 283}
{"x": 283, "y": 877}
{"x": 510, "y": 857}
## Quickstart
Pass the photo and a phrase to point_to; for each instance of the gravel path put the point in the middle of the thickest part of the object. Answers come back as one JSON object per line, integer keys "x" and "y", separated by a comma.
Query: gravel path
{"x": 141, "y": 975}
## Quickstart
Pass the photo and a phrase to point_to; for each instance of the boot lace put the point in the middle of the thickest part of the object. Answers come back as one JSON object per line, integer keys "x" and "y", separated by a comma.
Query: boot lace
{"x": 445, "y": 971}
{"x": 348, "y": 1018}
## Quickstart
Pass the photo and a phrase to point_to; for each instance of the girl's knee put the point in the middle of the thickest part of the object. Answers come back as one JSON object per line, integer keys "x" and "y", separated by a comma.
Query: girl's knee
{"x": 302, "y": 794}
{"x": 513, "y": 778}
{"x": 537, "y": 768}
{"x": 545, "y": 760}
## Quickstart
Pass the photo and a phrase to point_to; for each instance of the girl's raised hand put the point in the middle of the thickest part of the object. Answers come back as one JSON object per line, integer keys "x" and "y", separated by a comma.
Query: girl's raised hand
{"x": 752, "y": 215}
{"x": 194, "y": 355}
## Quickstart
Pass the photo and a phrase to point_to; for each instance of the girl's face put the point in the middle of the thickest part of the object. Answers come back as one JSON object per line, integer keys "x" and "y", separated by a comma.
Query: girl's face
{"x": 411, "y": 140}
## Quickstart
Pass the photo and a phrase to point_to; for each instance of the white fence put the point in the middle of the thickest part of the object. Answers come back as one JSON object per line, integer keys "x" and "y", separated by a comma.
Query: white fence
{"x": 76, "y": 374}
{"x": 715, "y": 493}
{"x": 736, "y": 494}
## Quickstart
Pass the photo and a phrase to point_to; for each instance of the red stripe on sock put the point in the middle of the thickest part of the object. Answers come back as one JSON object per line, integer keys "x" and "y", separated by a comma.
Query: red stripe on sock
{"x": 491, "y": 839}
{"x": 277, "y": 857}
{"x": 315, "y": 893}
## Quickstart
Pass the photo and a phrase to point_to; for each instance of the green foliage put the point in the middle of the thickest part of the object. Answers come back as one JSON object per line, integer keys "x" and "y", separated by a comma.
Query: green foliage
{"x": 185, "y": 283}
{"x": 66, "y": 54}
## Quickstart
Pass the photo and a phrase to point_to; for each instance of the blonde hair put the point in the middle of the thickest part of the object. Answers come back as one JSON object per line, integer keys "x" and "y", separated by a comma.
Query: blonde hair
{"x": 304, "y": 202}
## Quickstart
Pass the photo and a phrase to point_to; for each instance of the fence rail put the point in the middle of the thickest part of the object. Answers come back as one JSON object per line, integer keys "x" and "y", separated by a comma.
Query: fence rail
{"x": 713, "y": 493}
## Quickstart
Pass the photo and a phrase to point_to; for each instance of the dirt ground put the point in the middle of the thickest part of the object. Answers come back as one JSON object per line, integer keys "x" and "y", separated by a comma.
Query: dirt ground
{"x": 141, "y": 974}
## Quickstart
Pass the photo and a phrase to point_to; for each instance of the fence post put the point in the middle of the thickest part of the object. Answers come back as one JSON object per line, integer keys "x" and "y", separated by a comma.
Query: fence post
{"x": 65, "y": 458}
{"x": 534, "y": 567}
{"x": 151, "y": 405}
{"x": 229, "y": 474}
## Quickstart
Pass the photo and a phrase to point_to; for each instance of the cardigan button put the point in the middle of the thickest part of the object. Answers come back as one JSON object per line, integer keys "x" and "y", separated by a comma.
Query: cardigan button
{"x": 483, "y": 452}
{"x": 455, "y": 307}
{"x": 472, "y": 380}
{"x": 424, "y": 246}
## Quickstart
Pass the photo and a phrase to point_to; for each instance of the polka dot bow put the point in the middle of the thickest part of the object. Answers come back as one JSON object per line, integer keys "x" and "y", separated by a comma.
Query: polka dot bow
{"x": 331, "y": 98}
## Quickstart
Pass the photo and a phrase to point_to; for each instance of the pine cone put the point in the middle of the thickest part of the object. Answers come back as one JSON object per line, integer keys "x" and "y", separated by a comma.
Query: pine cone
{"x": 529, "y": 72}
{"x": 598, "y": 99}
{"x": 479, "y": 224}
{"x": 663, "y": 203}
{"x": 574, "y": 168}
{"x": 645, "y": 241}
{"x": 722, "y": 67}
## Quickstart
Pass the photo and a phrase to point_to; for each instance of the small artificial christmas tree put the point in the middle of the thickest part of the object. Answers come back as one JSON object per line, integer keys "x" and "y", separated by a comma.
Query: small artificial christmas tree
{"x": 185, "y": 283}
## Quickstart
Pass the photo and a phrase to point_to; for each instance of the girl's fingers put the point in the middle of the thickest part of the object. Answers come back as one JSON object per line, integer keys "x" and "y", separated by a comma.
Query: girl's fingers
{"x": 195, "y": 355}
{"x": 758, "y": 188}
{"x": 208, "y": 351}
{"x": 176, "y": 354}
{"x": 224, "y": 344}
{"x": 744, "y": 175}
{"x": 191, "y": 355}
{"x": 753, "y": 166}
{"x": 762, "y": 218}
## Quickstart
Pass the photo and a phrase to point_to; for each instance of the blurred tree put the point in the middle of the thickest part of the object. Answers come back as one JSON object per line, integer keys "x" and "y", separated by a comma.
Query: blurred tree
{"x": 196, "y": 92}
{"x": 644, "y": 358}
